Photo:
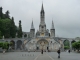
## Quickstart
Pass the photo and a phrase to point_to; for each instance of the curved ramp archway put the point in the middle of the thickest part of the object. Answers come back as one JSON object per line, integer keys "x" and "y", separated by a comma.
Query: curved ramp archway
{"x": 12, "y": 44}
{"x": 66, "y": 43}
{"x": 72, "y": 43}
{"x": 19, "y": 44}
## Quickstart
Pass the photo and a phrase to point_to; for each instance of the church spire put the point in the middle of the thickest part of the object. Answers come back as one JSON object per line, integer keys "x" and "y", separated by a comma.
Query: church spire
{"x": 52, "y": 25}
{"x": 32, "y": 26}
{"x": 42, "y": 8}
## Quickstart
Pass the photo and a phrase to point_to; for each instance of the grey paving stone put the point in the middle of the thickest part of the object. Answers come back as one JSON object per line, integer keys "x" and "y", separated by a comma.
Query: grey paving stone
{"x": 38, "y": 56}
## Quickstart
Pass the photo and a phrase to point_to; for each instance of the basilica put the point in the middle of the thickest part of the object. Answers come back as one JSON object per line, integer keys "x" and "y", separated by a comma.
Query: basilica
{"x": 43, "y": 39}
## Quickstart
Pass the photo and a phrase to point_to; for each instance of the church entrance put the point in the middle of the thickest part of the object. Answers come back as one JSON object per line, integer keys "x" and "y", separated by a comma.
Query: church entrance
{"x": 42, "y": 45}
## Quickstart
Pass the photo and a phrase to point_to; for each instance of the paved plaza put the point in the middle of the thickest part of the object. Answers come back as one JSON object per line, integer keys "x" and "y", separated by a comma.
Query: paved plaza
{"x": 39, "y": 56}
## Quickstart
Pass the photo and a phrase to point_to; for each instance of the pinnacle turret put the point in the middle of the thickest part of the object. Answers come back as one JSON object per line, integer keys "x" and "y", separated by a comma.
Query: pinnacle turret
{"x": 32, "y": 26}
{"x": 52, "y": 27}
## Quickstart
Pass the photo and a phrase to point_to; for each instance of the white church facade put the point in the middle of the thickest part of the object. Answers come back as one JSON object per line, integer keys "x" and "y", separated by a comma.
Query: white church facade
{"x": 42, "y": 39}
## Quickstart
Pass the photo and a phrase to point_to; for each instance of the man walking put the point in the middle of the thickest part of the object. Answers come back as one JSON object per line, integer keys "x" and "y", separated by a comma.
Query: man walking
{"x": 42, "y": 52}
{"x": 58, "y": 53}
{"x": 69, "y": 51}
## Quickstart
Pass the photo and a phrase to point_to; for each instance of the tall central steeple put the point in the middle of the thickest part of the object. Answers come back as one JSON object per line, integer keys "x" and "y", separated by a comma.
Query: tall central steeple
{"x": 42, "y": 26}
{"x": 42, "y": 15}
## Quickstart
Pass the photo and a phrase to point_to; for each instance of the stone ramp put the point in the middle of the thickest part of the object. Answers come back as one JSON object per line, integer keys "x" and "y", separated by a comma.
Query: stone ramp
{"x": 43, "y": 57}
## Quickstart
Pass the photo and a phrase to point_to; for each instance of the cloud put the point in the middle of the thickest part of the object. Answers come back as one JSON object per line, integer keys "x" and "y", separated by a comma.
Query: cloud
{"x": 65, "y": 14}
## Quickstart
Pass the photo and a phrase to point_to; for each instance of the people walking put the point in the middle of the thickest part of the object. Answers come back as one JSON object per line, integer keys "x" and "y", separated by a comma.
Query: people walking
{"x": 69, "y": 50}
{"x": 58, "y": 53}
{"x": 41, "y": 51}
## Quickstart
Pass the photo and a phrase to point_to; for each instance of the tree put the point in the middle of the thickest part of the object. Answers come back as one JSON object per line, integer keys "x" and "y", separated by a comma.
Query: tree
{"x": 20, "y": 30}
{"x": 66, "y": 47}
{"x": 4, "y": 24}
{"x": 1, "y": 44}
{"x": 7, "y": 14}
{"x": 0, "y": 35}
{"x": 7, "y": 26}
{"x": 1, "y": 14}
{"x": 4, "y": 45}
{"x": 76, "y": 45}
{"x": 12, "y": 28}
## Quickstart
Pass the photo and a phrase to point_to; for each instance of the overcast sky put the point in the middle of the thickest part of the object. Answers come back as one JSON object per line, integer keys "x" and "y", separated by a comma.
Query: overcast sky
{"x": 65, "y": 15}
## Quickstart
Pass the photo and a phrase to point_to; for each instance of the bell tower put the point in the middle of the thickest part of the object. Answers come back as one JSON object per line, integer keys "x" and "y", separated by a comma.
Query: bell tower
{"x": 42, "y": 26}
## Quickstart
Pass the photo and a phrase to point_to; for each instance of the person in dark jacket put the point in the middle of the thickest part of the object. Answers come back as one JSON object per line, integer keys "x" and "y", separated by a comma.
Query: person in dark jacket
{"x": 41, "y": 51}
{"x": 58, "y": 53}
{"x": 69, "y": 51}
